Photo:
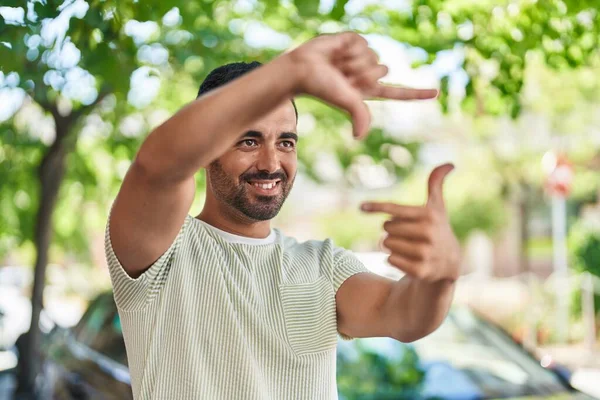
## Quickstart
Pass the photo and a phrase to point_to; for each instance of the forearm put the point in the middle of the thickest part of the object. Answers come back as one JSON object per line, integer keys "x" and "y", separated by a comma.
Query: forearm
{"x": 416, "y": 308}
{"x": 204, "y": 129}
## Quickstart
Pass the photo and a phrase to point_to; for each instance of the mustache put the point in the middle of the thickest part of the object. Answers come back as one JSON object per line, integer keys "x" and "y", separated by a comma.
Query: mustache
{"x": 264, "y": 176}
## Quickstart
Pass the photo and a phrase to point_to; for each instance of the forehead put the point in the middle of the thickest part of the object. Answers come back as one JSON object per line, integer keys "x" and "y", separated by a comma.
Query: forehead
{"x": 281, "y": 118}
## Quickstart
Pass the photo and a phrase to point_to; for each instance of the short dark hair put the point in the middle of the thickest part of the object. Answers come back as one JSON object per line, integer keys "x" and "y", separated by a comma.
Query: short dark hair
{"x": 228, "y": 72}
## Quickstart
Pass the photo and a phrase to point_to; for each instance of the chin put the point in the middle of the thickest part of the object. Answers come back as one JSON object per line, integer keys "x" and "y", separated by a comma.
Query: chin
{"x": 259, "y": 208}
{"x": 262, "y": 215}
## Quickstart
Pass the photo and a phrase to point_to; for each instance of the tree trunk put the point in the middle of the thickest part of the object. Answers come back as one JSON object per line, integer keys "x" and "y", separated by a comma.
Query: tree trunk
{"x": 50, "y": 173}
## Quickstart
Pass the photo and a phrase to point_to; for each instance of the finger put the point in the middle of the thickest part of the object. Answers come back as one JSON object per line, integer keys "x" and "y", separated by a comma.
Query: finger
{"x": 405, "y": 265}
{"x": 386, "y": 91}
{"x": 351, "y": 45}
{"x": 351, "y": 66}
{"x": 338, "y": 43}
{"x": 412, "y": 231}
{"x": 409, "y": 250}
{"x": 341, "y": 94}
{"x": 435, "y": 186}
{"x": 396, "y": 210}
{"x": 370, "y": 77}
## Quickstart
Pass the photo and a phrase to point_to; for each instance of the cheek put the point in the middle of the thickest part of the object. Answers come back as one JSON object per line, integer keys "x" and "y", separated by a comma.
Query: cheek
{"x": 290, "y": 166}
{"x": 235, "y": 164}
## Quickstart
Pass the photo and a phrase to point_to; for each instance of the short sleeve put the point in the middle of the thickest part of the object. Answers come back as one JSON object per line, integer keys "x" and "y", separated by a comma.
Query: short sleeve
{"x": 345, "y": 264}
{"x": 134, "y": 293}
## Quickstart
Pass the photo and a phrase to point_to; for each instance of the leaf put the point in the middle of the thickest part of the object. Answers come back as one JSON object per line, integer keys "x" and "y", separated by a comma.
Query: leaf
{"x": 516, "y": 107}
{"x": 338, "y": 10}
{"x": 12, "y": 3}
{"x": 307, "y": 8}
{"x": 272, "y": 3}
{"x": 443, "y": 96}
{"x": 9, "y": 60}
{"x": 45, "y": 10}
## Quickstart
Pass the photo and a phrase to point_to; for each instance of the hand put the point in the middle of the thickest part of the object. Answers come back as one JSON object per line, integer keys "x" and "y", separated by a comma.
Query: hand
{"x": 420, "y": 239}
{"x": 343, "y": 71}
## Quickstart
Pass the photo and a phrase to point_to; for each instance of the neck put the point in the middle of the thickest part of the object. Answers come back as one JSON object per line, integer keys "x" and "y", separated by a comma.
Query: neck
{"x": 232, "y": 221}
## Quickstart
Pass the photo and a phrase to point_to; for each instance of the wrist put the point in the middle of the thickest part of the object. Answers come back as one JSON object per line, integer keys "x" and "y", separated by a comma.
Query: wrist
{"x": 294, "y": 71}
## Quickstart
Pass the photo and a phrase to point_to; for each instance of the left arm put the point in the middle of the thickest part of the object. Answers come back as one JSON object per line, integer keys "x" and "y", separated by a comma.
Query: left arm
{"x": 422, "y": 245}
{"x": 405, "y": 310}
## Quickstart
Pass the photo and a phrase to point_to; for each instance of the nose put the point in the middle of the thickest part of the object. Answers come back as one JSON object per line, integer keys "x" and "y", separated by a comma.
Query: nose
{"x": 268, "y": 160}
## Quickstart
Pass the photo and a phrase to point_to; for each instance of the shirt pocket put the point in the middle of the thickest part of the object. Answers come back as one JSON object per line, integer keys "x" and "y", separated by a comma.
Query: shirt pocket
{"x": 310, "y": 316}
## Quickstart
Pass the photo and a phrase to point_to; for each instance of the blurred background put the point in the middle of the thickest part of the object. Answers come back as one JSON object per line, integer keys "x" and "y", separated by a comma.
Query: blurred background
{"x": 83, "y": 82}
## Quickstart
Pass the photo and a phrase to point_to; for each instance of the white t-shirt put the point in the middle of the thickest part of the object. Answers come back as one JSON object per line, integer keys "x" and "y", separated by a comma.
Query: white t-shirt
{"x": 220, "y": 316}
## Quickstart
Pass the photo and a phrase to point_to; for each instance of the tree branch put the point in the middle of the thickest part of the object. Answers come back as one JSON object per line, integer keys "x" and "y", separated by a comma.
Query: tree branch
{"x": 85, "y": 109}
{"x": 63, "y": 123}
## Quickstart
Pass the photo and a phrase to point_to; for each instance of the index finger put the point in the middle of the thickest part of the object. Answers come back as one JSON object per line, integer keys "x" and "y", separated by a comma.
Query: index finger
{"x": 386, "y": 91}
{"x": 396, "y": 210}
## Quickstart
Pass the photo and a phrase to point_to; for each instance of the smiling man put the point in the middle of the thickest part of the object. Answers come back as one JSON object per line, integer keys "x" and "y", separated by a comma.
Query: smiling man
{"x": 222, "y": 306}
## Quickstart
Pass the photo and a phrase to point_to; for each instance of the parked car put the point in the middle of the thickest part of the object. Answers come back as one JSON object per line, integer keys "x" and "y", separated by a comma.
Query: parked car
{"x": 89, "y": 360}
{"x": 466, "y": 358}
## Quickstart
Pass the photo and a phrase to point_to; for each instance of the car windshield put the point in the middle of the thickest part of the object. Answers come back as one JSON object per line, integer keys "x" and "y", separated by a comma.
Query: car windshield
{"x": 466, "y": 358}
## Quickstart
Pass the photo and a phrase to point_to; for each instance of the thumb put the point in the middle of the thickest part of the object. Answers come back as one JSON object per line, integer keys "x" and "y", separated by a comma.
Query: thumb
{"x": 435, "y": 185}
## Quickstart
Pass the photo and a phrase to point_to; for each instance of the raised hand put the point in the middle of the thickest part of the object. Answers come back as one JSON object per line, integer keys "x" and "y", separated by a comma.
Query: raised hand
{"x": 343, "y": 71}
{"x": 420, "y": 239}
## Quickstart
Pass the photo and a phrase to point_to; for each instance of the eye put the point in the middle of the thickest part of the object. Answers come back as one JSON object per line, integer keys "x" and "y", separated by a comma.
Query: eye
{"x": 248, "y": 143}
{"x": 288, "y": 144}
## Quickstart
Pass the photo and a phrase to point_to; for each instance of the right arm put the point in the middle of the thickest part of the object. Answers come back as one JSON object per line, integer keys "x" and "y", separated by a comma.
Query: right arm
{"x": 158, "y": 190}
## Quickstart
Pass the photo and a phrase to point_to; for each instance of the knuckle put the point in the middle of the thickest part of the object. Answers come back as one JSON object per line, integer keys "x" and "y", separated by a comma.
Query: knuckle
{"x": 427, "y": 254}
{"x": 422, "y": 253}
{"x": 349, "y": 35}
{"x": 363, "y": 80}
{"x": 387, "y": 242}
{"x": 421, "y": 272}
{"x": 429, "y": 215}
{"x": 427, "y": 232}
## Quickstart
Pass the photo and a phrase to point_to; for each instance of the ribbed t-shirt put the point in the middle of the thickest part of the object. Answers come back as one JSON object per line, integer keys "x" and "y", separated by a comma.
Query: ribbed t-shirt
{"x": 220, "y": 316}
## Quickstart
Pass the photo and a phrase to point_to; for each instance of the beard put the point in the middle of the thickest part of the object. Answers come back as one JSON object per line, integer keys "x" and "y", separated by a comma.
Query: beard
{"x": 238, "y": 196}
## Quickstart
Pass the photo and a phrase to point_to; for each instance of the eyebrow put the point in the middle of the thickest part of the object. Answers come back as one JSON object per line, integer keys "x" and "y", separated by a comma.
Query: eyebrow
{"x": 259, "y": 135}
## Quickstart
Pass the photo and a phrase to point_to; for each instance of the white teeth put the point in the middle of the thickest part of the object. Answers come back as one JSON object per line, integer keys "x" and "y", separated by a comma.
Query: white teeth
{"x": 266, "y": 186}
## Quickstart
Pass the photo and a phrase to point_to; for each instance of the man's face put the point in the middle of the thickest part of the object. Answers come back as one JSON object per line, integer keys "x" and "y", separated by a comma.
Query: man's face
{"x": 256, "y": 175}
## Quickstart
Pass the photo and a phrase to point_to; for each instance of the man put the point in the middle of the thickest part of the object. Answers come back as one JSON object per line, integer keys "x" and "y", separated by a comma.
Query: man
{"x": 221, "y": 306}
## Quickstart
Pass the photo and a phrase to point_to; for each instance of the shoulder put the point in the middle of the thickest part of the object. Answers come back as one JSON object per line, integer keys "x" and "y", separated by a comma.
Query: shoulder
{"x": 196, "y": 241}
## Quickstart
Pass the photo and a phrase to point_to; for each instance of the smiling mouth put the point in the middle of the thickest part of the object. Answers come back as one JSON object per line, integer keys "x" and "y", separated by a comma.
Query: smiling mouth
{"x": 265, "y": 187}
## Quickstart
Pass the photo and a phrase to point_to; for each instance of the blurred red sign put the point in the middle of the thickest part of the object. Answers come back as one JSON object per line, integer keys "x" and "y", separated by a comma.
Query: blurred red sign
{"x": 560, "y": 177}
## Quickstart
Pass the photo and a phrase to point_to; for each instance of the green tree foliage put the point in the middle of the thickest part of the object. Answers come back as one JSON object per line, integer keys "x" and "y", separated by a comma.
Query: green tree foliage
{"x": 584, "y": 243}
{"x": 496, "y": 40}
{"x": 584, "y": 247}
